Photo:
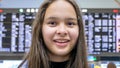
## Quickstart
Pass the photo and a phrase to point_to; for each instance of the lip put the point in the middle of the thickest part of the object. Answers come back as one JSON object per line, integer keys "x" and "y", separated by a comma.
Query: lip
{"x": 61, "y": 42}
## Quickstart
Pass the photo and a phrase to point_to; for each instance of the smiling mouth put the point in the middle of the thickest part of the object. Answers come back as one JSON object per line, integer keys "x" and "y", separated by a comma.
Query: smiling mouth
{"x": 61, "y": 43}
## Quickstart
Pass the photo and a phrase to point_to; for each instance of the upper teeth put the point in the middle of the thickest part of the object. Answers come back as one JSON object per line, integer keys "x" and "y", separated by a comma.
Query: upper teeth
{"x": 61, "y": 40}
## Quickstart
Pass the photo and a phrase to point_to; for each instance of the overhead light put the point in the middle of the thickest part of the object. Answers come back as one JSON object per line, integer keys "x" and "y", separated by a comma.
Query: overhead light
{"x": 84, "y": 10}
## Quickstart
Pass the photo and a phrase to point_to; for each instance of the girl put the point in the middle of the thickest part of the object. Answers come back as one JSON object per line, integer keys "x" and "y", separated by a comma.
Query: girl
{"x": 58, "y": 39}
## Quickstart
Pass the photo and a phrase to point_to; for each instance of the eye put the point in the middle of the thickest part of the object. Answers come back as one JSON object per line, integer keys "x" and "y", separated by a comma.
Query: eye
{"x": 71, "y": 24}
{"x": 52, "y": 23}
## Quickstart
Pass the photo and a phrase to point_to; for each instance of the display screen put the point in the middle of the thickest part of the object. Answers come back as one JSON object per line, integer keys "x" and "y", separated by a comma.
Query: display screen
{"x": 102, "y": 30}
{"x": 15, "y": 30}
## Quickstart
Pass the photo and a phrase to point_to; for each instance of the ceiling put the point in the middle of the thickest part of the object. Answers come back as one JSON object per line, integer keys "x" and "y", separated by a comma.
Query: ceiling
{"x": 36, "y": 3}
{"x": 98, "y": 3}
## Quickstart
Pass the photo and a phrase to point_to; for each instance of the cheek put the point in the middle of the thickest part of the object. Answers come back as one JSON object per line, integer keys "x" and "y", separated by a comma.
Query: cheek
{"x": 47, "y": 33}
{"x": 74, "y": 34}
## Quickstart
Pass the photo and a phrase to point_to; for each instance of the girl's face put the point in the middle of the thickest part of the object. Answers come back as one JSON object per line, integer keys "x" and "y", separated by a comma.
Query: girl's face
{"x": 60, "y": 30}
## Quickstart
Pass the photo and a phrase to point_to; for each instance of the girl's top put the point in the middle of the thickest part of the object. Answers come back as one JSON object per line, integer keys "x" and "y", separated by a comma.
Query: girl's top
{"x": 58, "y": 64}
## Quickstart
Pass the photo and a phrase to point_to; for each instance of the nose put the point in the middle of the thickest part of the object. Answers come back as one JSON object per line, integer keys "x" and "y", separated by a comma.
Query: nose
{"x": 62, "y": 30}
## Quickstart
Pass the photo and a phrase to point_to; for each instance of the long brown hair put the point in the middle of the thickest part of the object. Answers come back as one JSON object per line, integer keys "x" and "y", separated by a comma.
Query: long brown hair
{"x": 38, "y": 57}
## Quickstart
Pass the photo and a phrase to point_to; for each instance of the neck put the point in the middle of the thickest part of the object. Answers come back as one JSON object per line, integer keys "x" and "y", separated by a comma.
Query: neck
{"x": 58, "y": 58}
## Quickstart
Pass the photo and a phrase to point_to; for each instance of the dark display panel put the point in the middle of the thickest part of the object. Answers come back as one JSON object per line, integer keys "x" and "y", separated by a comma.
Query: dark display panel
{"x": 15, "y": 30}
{"x": 102, "y": 30}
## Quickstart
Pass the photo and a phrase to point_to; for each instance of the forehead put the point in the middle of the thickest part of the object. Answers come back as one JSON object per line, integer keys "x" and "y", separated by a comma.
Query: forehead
{"x": 60, "y": 3}
{"x": 60, "y": 8}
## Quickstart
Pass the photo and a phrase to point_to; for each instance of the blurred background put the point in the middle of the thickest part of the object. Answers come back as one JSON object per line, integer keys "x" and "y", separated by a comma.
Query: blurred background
{"x": 102, "y": 28}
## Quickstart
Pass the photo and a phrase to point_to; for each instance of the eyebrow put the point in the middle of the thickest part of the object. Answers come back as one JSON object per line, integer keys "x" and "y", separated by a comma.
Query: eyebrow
{"x": 56, "y": 18}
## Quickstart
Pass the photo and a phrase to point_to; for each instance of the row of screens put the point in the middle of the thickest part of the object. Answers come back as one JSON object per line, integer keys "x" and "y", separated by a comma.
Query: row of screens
{"x": 102, "y": 31}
